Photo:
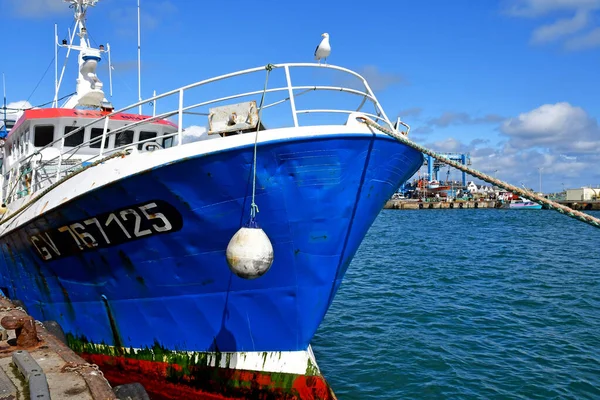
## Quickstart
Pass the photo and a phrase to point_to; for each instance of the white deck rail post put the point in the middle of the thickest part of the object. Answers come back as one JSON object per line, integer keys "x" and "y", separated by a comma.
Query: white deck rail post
{"x": 8, "y": 198}
{"x": 376, "y": 102}
{"x": 180, "y": 119}
{"x": 291, "y": 94}
{"x": 58, "y": 167}
{"x": 103, "y": 136}
{"x": 33, "y": 174}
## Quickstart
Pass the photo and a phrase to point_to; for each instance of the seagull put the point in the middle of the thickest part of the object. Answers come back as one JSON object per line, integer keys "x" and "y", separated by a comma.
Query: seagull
{"x": 323, "y": 49}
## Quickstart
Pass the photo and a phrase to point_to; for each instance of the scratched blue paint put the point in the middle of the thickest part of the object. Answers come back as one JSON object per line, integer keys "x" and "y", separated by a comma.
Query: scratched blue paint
{"x": 317, "y": 199}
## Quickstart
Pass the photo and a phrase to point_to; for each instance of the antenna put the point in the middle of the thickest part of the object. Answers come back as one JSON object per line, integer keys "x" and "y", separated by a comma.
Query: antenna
{"x": 89, "y": 87}
{"x": 139, "y": 60}
{"x": 55, "y": 102}
{"x": 110, "y": 68}
{"x": 4, "y": 131}
{"x": 154, "y": 104}
{"x": 62, "y": 73}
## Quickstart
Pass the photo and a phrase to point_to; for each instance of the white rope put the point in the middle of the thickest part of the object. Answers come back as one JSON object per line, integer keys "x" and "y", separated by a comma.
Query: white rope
{"x": 521, "y": 192}
{"x": 254, "y": 206}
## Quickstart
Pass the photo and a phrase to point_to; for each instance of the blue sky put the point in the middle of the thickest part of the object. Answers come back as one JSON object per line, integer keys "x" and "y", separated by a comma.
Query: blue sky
{"x": 515, "y": 83}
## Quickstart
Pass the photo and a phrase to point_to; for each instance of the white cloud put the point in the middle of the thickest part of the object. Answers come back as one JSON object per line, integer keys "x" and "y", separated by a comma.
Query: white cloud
{"x": 521, "y": 166}
{"x": 537, "y": 8}
{"x": 560, "y": 138}
{"x": 410, "y": 112}
{"x": 39, "y": 8}
{"x": 422, "y": 130}
{"x": 152, "y": 15}
{"x": 584, "y": 42}
{"x": 581, "y": 13}
{"x": 547, "y": 119}
{"x": 560, "y": 127}
{"x": 454, "y": 118}
{"x": 449, "y": 118}
{"x": 195, "y": 133}
{"x": 380, "y": 80}
{"x": 449, "y": 145}
{"x": 15, "y": 109}
{"x": 560, "y": 28}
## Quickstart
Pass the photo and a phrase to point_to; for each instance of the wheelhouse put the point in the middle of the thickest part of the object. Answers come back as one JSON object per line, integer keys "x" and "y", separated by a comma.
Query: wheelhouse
{"x": 77, "y": 133}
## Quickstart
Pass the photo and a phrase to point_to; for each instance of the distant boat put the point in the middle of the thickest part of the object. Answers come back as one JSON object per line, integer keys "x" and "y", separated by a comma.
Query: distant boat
{"x": 522, "y": 204}
{"x": 433, "y": 184}
{"x": 434, "y": 187}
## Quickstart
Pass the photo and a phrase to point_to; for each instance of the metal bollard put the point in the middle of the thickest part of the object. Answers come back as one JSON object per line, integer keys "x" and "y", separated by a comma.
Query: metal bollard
{"x": 24, "y": 327}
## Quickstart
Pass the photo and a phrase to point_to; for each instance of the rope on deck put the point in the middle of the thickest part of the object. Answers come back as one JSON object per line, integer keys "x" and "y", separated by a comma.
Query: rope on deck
{"x": 402, "y": 138}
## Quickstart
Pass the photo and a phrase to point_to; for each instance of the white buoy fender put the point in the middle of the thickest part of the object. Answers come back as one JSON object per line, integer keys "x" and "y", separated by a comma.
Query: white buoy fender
{"x": 249, "y": 253}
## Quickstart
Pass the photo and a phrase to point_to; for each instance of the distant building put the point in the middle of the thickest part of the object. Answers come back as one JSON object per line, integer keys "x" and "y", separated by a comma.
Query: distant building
{"x": 471, "y": 187}
{"x": 583, "y": 194}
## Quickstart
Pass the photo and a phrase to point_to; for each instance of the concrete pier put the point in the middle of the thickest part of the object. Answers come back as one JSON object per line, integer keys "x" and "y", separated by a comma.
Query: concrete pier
{"x": 428, "y": 205}
{"x": 35, "y": 364}
{"x": 589, "y": 205}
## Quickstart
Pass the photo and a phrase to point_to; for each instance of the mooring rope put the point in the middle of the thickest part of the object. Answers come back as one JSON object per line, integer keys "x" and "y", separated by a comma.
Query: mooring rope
{"x": 254, "y": 206}
{"x": 484, "y": 177}
{"x": 55, "y": 184}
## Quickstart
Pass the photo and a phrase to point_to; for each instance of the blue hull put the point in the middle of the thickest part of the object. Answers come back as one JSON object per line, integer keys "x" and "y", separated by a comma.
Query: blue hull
{"x": 169, "y": 283}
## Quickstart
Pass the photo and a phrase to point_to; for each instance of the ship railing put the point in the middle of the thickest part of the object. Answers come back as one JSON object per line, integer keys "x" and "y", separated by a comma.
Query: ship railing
{"x": 49, "y": 171}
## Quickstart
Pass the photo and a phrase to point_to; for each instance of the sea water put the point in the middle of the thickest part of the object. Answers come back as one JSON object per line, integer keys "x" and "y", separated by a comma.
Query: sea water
{"x": 467, "y": 304}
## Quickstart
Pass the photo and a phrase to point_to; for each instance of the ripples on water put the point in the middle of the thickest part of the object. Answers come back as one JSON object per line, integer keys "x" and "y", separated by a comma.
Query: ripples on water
{"x": 448, "y": 304}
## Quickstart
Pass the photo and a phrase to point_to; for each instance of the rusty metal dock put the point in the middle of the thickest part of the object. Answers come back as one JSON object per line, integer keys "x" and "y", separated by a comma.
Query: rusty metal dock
{"x": 35, "y": 364}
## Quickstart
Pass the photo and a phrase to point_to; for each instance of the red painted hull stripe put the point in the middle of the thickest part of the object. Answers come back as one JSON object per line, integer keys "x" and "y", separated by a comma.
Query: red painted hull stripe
{"x": 207, "y": 382}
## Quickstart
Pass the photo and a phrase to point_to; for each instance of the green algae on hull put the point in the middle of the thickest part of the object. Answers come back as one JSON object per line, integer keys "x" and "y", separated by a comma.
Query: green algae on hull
{"x": 182, "y": 364}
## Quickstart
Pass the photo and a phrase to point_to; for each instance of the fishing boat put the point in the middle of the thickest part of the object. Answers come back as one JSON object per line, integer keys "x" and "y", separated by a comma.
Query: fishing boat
{"x": 120, "y": 231}
{"x": 522, "y": 204}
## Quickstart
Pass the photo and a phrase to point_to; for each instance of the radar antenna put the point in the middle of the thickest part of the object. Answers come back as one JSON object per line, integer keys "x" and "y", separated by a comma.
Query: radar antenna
{"x": 89, "y": 88}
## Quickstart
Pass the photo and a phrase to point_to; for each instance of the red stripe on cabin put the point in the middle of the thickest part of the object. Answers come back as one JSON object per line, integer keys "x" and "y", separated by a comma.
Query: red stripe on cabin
{"x": 48, "y": 113}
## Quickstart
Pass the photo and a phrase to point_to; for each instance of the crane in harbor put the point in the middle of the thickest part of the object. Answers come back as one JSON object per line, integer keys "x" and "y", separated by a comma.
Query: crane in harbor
{"x": 433, "y": 166}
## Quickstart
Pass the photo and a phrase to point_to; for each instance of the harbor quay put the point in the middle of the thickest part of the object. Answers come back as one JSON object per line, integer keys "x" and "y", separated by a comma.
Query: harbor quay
{"x": 35, "y": 363}
{"x": 428, "y": 205}
{"x": 406, "y": 204}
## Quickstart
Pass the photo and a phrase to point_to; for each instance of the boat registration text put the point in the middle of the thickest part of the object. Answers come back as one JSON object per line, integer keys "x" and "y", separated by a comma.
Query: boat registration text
{"x": 107, "y": 229}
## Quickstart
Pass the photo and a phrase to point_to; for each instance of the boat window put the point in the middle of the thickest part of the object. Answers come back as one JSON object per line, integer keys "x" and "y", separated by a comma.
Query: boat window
{"x": 144, "y": 135}
{"x": 75, "y": 139}
{"x": 123, "y": 138}
{"x": 97, "y": 132}
{"x": 167, "y": 142}
{"x": 44, "y": 135}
